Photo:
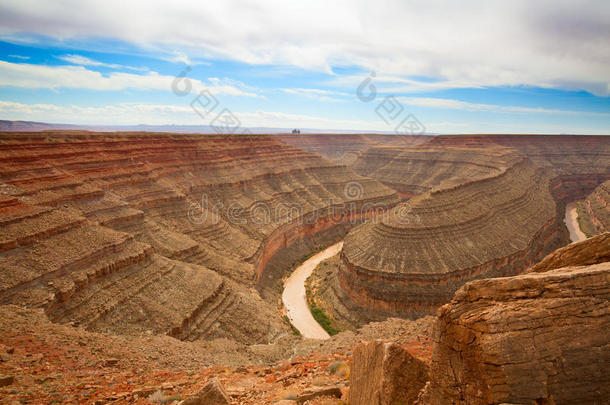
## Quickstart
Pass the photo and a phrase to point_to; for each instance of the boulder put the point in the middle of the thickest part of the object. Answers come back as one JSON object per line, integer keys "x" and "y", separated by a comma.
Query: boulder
{"x": 536, "y": 338}
{"x": 313, "y": 393}
{"x": 212, "y": 393}
{"x": 6, "y": 380}
{"x": 385, "y": 373}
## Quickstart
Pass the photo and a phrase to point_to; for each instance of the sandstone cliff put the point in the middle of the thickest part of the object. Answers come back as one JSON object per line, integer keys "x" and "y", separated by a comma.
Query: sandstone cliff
{"x": 385, "y": 373}
{"x": 590, "y": 251}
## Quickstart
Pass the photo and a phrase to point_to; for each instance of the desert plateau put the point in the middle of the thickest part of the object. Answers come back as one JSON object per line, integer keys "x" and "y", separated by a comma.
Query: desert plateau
{"x": 304, "y": 203}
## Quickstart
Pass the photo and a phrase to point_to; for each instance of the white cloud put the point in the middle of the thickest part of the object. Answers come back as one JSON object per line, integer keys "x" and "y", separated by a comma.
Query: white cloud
{"x": 464, "y": 105}
{"x": 78, "y": 77}
{"x": 544, "y": 43}
{"x": 181, "y": 57}
{"x": 85, "y": 61}
{"x": 317, "y": 94}
{"x": 19, "y": 57}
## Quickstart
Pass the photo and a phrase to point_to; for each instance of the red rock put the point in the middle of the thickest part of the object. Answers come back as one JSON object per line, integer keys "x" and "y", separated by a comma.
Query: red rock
{"x": 385, "y": 373}
{"x": 313, "y": 393}
{"x": 111, "y": 362}
{"x": 590, "y": 251}
{"x": 143, "y": 392}
{"x": 213, "y": 393}
{"x": 535, "y": 338}
{"x": 6, "y": 380}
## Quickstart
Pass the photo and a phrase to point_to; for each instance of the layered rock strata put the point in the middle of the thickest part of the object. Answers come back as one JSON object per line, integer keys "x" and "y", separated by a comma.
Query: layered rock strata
{"x": 415, "y": 170}
{"x": 161, "y": 232}
{"x": 594, "y": 211}
{"x": 576, "y": 163}
{"x": 385, "y": 373}
{"x": 413, "y": 259}
{"x": 482, "y": 206}
{"x": 590, "y": 251}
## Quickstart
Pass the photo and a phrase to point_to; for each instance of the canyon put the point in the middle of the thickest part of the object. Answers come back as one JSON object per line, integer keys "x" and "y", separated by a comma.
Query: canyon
{"x": 168, "y": 253}
{"x": 164, "y": 233}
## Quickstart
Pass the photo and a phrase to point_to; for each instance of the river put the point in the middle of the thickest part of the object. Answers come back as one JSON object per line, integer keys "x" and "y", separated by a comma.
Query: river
{"x": 295, "y": 299}
{"x": 571, "y": 221}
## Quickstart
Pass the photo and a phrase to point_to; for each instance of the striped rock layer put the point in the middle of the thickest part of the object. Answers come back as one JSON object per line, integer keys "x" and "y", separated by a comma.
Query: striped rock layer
{"x": 481, "y": 206}
{"x": 164, "y": 233}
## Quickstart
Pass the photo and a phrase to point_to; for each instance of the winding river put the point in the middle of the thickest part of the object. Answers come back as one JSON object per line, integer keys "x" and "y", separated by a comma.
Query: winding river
{"x": 294, "y": 296}
{"x": 571, "y": 220}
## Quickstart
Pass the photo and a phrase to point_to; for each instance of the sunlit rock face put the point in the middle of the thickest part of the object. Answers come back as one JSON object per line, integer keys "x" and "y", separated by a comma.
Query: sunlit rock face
{"x": 533, "y": 338}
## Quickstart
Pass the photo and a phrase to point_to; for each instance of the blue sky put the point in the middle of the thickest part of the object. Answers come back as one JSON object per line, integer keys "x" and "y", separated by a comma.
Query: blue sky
{"x": 457, "y": 67}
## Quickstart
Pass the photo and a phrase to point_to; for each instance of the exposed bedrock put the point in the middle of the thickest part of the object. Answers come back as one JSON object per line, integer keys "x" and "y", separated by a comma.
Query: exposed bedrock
{"x": 414, "y": 170}
{"x": 415, "y": 258}
{"x": 576, "y": 163}
{"x": 161, "y": 232}
{"x": 385, "y": 373}
{"x": 581, "y": 162}
{"x": 482, "y": 206}
{"x": 536, "y": 338}
{"x": 594, "y": 210}
{"x": 590, "y": 251}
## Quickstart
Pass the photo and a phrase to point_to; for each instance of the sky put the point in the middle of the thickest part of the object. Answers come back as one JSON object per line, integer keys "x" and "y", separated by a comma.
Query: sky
{"x": 399, "y": 66}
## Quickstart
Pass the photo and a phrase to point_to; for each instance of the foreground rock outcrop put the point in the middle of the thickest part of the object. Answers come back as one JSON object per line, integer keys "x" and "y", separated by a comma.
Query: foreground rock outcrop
{"x": 385, "y": 373}
{"x": 534, "y": 338}
{"x": 212, "y": 393}
{"x": 591, "y": 251}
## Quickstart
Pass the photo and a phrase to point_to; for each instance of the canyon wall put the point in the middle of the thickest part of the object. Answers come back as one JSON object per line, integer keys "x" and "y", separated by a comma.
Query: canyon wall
{"x": 414, "y": 259}
{"x": 594, "y": 211}
{"x": 481, "y": 206}
{"x": 414, "y": 170}
{"x": 163, "y": 233}
{"x": 576, "y": 163}
{"x": 535, "y": 338}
